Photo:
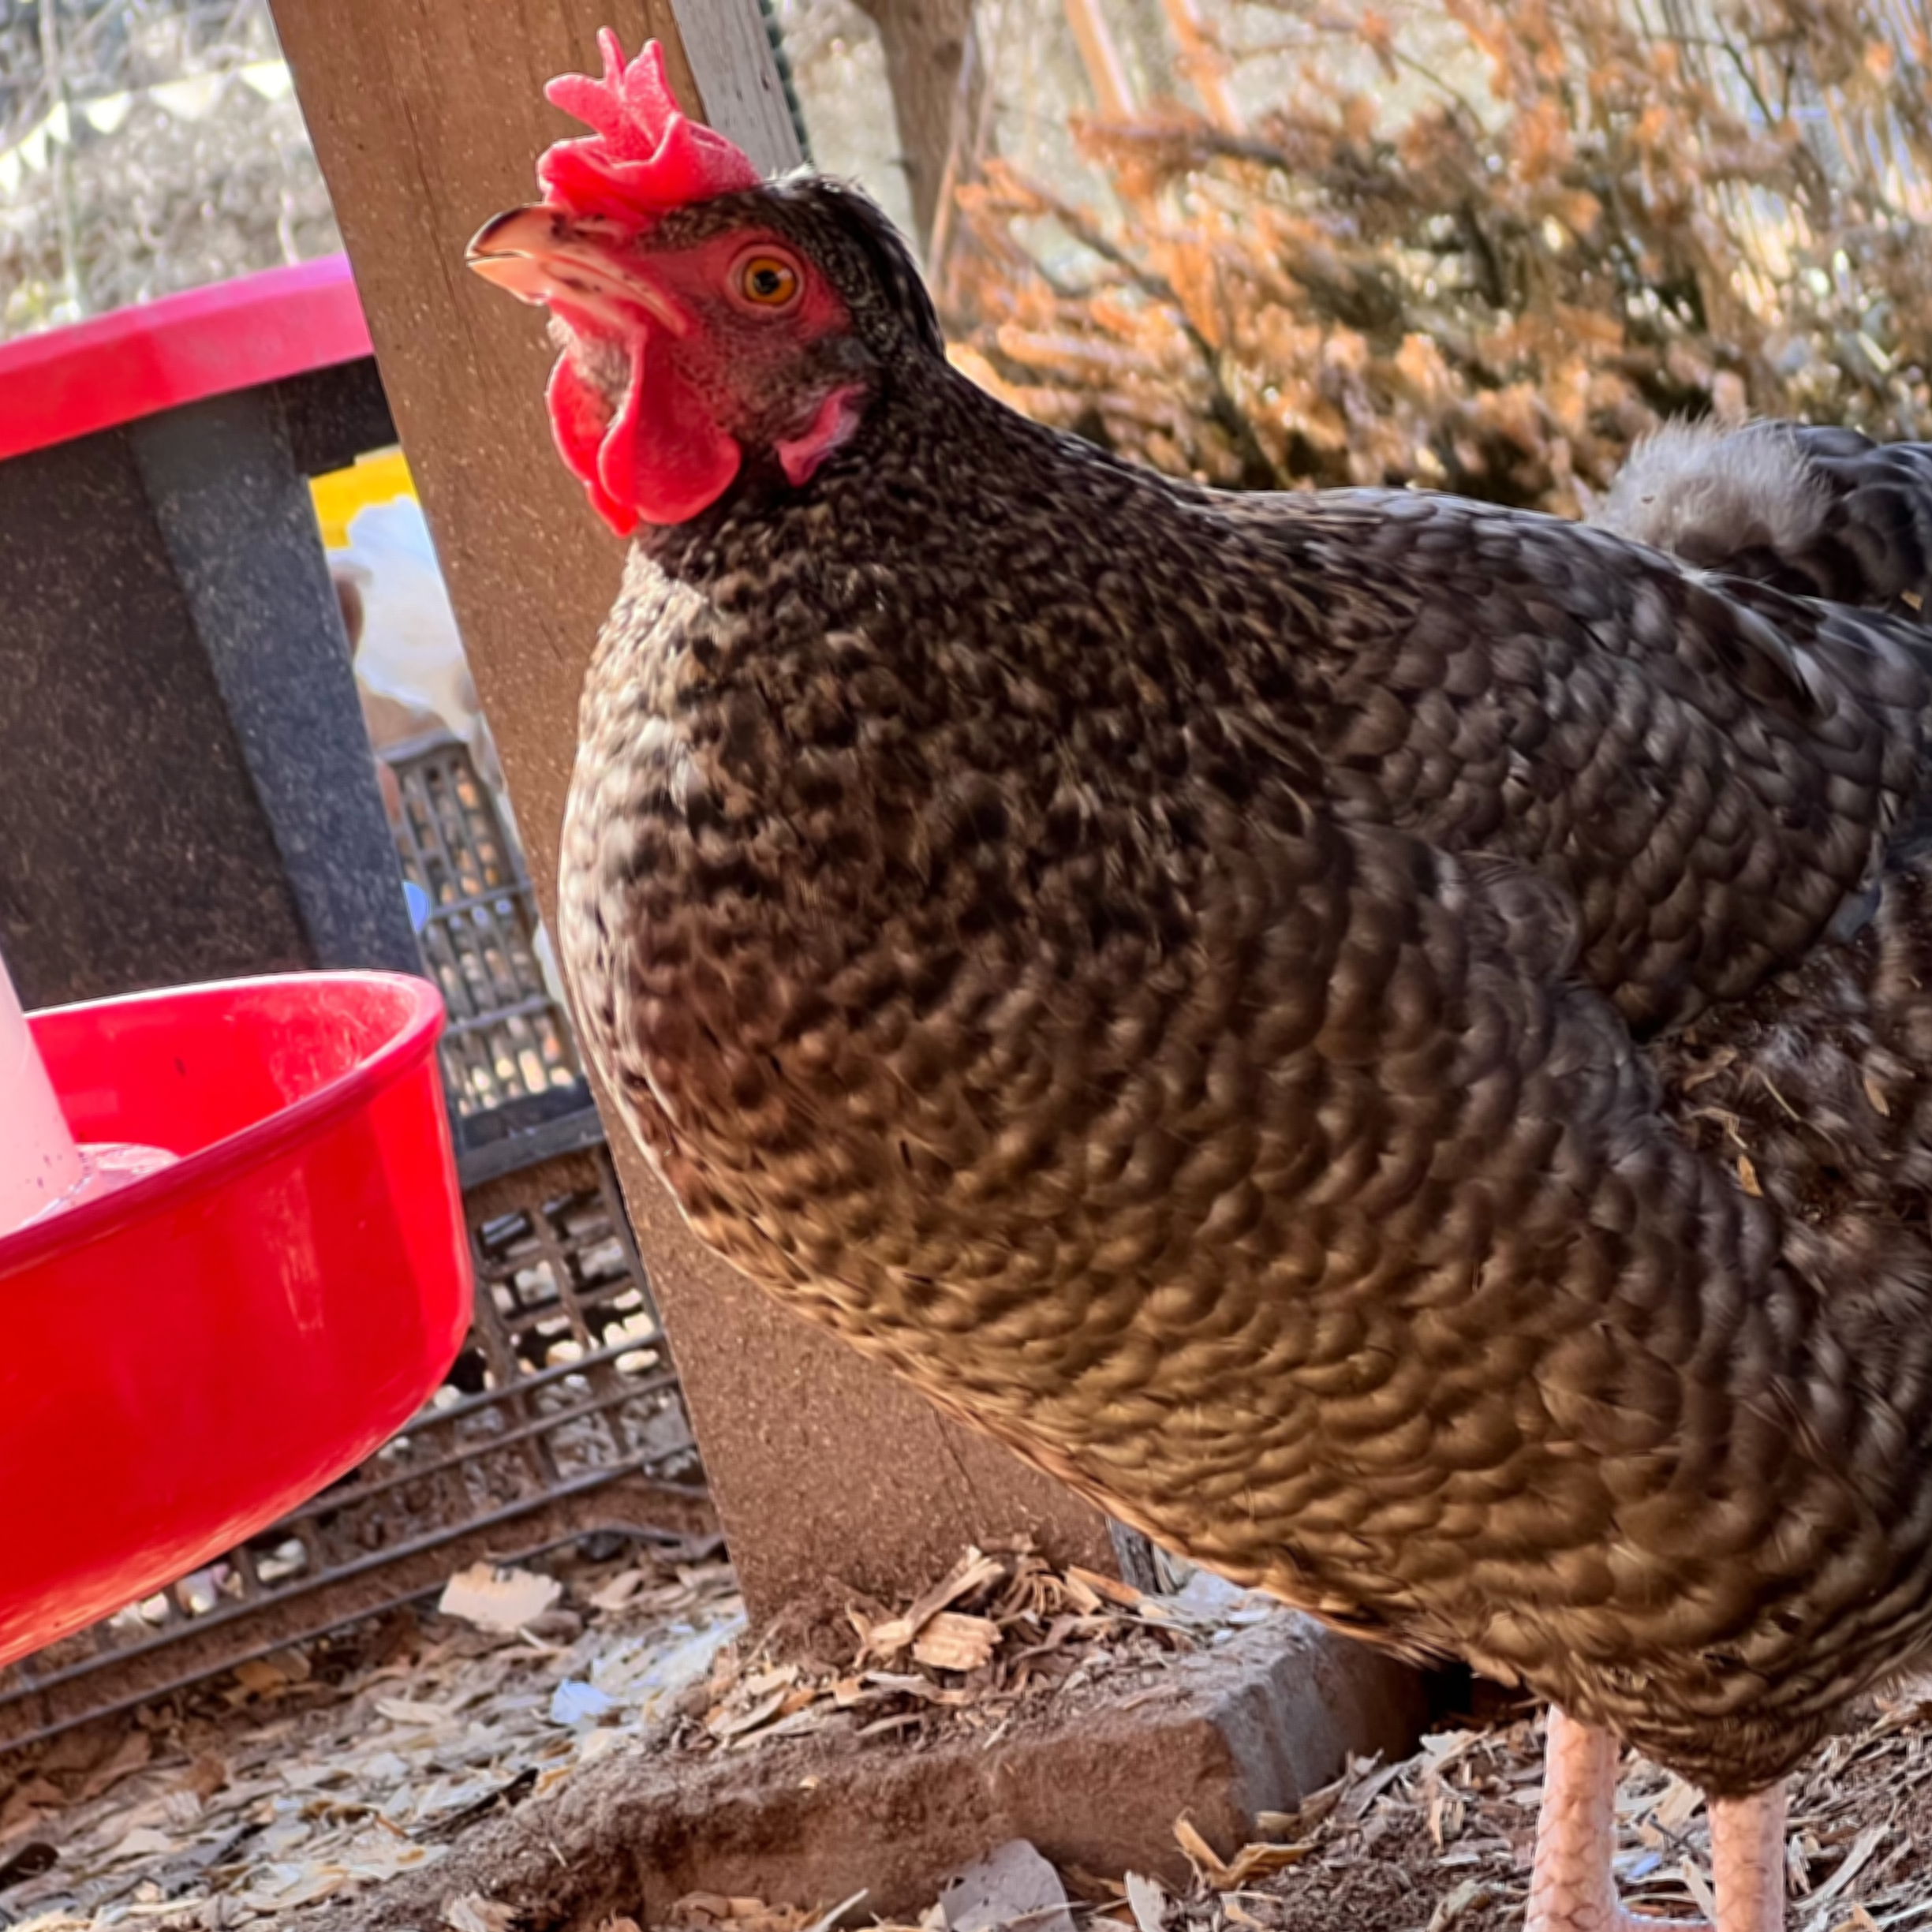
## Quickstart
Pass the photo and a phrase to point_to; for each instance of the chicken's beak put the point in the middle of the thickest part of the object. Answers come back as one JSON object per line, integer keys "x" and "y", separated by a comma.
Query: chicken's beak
{"x": 540, "y": 254}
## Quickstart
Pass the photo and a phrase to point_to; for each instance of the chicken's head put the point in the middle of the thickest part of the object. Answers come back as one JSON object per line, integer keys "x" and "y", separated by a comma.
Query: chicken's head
{"x": 711, "y": 325}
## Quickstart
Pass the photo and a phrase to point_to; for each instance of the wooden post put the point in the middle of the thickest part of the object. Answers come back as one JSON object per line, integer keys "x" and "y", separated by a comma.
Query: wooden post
{"x": 427, "y": 116}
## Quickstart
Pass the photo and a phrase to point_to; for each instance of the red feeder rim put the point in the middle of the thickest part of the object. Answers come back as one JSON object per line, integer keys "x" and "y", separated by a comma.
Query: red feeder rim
{"x": 115, "y": 368}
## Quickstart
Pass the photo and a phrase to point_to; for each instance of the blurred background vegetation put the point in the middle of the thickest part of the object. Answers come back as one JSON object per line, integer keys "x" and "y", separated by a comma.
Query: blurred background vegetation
{"x": 1474, "y": 246}
{"x": 1266, "y": 242}
{"x": 146, "y": 146}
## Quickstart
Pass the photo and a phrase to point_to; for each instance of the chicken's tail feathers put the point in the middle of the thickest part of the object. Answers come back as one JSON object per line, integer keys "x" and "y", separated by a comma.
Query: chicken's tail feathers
{"x": 1823, "y": 513}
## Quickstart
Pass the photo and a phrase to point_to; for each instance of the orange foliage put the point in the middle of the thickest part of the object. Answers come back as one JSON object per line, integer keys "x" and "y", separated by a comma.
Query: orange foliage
{"x": 1493, "y": 291}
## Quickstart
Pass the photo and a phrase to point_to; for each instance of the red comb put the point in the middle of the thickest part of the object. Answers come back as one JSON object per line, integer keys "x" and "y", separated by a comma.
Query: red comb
{"x": 646, "y": 153}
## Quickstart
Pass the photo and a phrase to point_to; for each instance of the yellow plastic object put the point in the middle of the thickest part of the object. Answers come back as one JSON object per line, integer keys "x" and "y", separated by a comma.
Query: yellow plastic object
{"x": 369, "y": 479}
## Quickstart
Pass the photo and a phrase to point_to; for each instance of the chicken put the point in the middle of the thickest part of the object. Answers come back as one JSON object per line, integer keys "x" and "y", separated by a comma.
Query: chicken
{"x": 1382, "y": 1039}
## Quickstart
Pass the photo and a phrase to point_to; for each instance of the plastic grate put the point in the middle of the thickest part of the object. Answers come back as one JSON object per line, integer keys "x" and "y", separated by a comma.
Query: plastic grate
{"x": 508, "y": 1038}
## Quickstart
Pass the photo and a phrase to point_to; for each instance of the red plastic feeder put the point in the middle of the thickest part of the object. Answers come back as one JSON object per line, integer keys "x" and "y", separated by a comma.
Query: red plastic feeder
{"x": 189, "y": 1356}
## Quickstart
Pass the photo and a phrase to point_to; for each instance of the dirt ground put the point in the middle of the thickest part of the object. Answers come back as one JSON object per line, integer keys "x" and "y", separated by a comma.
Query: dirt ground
{"x": 306, "y": 1791}
{"x": 1443, "y": 1840}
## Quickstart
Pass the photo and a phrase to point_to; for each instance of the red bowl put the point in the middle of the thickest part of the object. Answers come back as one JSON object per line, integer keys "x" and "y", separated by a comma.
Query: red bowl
{"x": 184, "y": 1359}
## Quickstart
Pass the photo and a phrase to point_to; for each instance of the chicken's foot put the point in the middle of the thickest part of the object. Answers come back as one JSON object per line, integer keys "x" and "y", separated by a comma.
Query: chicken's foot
{"x": 1571, "y": 1889}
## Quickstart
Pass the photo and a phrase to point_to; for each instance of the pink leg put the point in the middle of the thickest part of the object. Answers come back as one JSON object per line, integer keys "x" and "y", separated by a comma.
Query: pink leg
{"x": 1571, "y": 1889}
{"x": 1747, "y": 1861}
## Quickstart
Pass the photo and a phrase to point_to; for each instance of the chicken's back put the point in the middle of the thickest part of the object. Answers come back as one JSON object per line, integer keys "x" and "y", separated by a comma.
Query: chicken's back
{"x": 1710, "y": 766}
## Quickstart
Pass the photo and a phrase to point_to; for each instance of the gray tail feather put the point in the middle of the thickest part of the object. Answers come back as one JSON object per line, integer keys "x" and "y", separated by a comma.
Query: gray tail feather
{"x": 1821, "y": 513}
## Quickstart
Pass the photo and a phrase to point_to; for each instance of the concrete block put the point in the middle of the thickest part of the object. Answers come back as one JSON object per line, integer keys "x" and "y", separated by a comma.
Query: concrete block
{"x": 1096, "y": 1779}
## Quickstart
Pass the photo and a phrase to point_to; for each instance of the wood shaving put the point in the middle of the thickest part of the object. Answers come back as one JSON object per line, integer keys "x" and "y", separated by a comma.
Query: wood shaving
{"x": 1147, "y": 1902}
{"x": 499, "y": 1600}
{"x": 472, "y": 1914}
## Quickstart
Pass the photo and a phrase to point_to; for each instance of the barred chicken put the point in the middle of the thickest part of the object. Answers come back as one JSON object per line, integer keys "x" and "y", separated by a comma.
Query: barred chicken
{"x": 1382, "y": 1039}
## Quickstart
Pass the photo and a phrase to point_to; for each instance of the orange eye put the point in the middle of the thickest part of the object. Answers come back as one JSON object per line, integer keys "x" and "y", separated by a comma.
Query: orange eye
{"x": 769, "y": 280}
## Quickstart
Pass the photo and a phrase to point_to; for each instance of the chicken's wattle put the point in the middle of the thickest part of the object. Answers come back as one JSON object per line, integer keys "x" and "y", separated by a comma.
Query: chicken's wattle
{"x": 659, "y": 458}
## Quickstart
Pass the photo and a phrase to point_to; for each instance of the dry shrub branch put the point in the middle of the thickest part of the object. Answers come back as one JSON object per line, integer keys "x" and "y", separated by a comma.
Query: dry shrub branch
{"x": 1533, "y": 229}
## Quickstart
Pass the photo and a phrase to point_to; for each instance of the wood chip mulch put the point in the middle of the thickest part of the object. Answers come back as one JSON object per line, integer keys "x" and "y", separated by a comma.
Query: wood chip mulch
{"x": 1001, "y": 1629}
{"x": 301, "y": 1777}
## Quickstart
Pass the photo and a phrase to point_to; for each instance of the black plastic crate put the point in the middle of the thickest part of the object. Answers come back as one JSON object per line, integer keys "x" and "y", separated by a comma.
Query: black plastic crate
{"x": 508, "y": 1052}
{"x": 561, "y": 1416}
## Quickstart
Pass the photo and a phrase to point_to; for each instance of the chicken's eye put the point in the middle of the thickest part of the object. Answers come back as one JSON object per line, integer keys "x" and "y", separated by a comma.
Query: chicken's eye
{"x": 768, "y": 281}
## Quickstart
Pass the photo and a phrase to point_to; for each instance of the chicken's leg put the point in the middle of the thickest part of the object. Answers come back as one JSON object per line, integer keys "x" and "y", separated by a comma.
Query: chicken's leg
{"x": 1747, "y": 1861}
{"x": 1571, "y": 1889}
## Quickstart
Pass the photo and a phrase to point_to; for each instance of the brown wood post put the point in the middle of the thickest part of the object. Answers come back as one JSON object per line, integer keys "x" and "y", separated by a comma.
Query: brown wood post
{"x": 427, "y": 116}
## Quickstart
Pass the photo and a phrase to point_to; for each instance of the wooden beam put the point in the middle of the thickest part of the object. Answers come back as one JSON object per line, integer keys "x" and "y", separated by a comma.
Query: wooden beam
{"x": 738, "y": 89}
{"x": 427, "y": 116}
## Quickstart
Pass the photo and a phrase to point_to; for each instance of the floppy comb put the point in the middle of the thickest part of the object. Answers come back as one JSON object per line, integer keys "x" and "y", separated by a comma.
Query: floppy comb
{"x": 646, "y": 154}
